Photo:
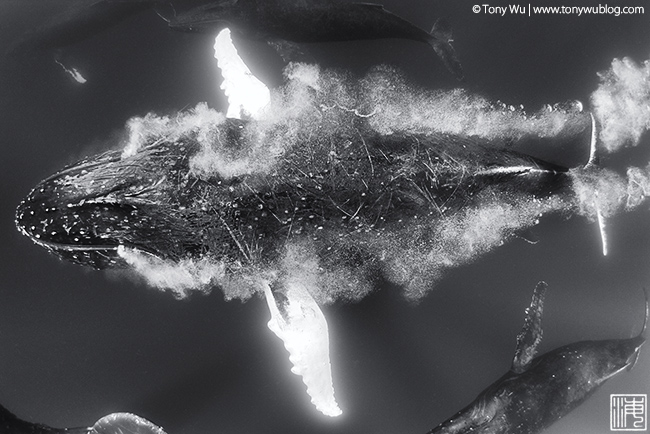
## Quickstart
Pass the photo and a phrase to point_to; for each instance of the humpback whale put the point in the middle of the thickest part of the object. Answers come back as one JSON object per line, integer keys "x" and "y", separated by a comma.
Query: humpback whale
{"x": 317, "y": 177}
{"x": 343, "y": 195}
{"x": 282, "y": 22}
{"x": 537, "y": 391}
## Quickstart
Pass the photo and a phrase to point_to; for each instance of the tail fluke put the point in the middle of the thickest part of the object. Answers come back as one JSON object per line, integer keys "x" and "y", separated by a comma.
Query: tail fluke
{"x": 441, "y": 42}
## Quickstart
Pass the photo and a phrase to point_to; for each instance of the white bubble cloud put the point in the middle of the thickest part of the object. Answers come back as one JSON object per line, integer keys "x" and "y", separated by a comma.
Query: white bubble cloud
{"x": 178, "y": 277}
{"x": 621, "y": 103}
{"x": 317, "y": 108}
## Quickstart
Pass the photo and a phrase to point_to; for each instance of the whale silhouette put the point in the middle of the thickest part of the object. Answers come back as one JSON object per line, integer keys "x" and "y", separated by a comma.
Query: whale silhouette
{"x": 283, "y": 23}
{"x": 537, "y": 391}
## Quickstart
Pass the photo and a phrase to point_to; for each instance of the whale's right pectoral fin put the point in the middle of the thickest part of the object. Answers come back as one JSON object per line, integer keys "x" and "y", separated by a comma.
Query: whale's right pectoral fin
{"x": 531, "y": 334}
{"x": 441, "y": 40}
{"x": 297, "y": 319}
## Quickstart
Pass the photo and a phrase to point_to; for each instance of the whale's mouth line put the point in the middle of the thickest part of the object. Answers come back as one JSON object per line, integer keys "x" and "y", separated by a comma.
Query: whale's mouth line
{"x": 74, "y": 247}
{"x": 117, "y": 248}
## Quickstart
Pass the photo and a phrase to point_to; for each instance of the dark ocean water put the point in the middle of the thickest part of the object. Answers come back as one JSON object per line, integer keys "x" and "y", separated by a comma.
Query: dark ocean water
{"x": 78, "y": 344}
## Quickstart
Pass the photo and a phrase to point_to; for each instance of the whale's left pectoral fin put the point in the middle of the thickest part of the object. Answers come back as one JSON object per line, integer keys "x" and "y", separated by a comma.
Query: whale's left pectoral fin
{"x": 246, "y": 94}
{"x": 531, "y": 334}
{"x": 299, "y": 322}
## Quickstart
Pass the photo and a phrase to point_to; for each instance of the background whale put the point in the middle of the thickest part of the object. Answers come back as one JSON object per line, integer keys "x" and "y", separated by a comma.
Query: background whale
{"x": 282, "y": 22}
{"x": 538, "y": 391}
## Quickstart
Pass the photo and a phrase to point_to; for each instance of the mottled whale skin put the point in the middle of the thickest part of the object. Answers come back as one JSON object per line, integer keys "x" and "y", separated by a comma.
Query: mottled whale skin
{"x": 538, "y": 391}
{"x": 342, "y": 196}
{"x": 300, "y": 21}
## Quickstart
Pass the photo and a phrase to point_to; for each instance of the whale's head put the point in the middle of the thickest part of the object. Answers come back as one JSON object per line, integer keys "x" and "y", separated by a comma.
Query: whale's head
{"x": 147, "y": 201}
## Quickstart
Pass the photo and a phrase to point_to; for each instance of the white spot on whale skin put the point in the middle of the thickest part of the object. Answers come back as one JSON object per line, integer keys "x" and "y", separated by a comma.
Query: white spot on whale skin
{"x": 303, "y": 329}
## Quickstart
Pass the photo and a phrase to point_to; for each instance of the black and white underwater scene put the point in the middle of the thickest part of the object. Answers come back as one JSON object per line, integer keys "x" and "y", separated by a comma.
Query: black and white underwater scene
{"x": 324, "y": 216}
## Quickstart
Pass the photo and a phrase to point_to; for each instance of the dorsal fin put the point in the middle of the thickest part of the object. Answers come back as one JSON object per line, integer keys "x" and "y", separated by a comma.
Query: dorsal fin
{"x": 531, "y": 334}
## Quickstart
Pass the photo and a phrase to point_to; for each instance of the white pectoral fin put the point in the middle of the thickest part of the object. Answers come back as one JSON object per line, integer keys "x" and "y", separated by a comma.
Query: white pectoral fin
{"x": 299, "y": 322}
{"x": 246, "y": 94}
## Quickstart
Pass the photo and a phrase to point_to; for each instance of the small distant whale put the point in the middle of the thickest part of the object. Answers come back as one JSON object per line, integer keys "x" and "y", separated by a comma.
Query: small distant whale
{"x": 538, "y": 391}
{"x": 282, "y": 22}
{"x": 115, "y": 423}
